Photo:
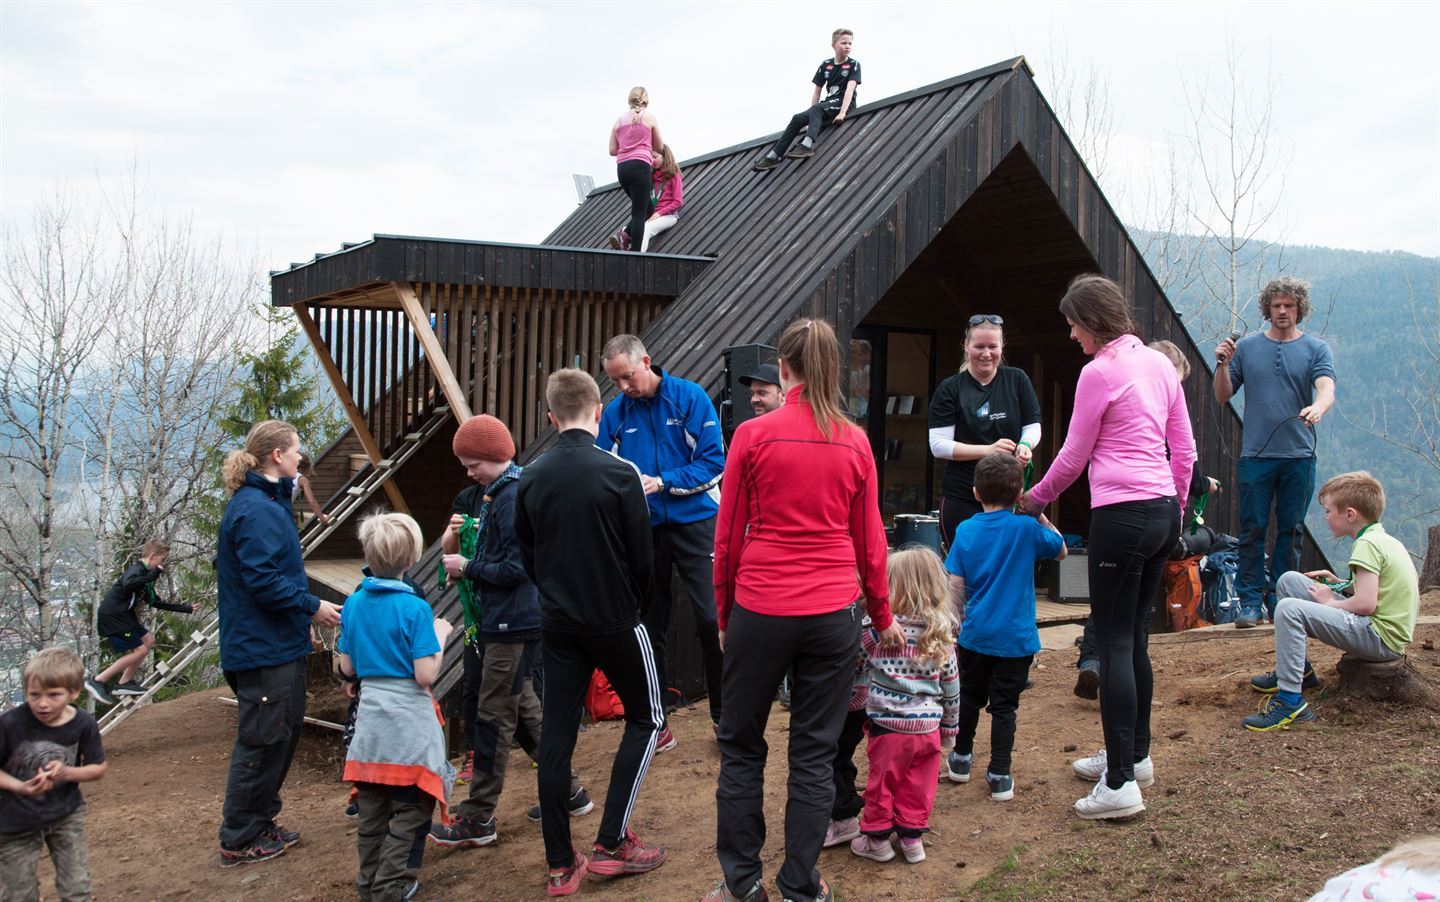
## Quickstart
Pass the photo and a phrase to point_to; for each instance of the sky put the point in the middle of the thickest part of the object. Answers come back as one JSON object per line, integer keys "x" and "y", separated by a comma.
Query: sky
{"x": 290, "y": 127}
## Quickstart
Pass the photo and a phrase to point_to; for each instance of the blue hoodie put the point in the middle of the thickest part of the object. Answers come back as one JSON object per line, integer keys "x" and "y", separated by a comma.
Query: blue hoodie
{"x": 676, "y": 436}
{"x": 265, "y": 603}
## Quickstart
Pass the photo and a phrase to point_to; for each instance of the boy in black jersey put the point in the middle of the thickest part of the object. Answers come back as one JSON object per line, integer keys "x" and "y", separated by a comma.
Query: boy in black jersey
{"x": 583, "y": 526}
{"x": 835, "y": 82}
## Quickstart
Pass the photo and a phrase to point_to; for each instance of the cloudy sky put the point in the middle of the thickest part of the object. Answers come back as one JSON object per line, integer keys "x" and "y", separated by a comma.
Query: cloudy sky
{"x": 294, "y": 126}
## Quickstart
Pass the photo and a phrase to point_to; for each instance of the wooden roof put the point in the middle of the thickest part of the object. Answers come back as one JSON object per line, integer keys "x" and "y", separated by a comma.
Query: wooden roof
{"x": 399, "y": 258}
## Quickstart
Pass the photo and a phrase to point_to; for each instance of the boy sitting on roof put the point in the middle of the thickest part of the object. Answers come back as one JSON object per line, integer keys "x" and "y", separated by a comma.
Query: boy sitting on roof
{"x": 833, "y": 98}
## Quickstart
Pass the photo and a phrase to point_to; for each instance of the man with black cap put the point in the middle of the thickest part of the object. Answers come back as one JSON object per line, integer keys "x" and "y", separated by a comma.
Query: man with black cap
{"x": 764, "y": 385}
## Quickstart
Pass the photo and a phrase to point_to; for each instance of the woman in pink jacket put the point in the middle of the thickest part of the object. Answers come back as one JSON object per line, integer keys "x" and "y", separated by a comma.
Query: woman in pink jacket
{"x": 667, "y": 195}
{"x": 1128, "y": 409}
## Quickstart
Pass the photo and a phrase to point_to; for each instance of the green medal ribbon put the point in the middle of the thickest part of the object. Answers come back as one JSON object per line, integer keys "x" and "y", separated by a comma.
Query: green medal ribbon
{"x": 469, "y": 541}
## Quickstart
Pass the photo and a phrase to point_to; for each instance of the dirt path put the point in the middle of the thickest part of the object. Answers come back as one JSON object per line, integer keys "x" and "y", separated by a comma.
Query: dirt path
{"x": 1232, "y": 815}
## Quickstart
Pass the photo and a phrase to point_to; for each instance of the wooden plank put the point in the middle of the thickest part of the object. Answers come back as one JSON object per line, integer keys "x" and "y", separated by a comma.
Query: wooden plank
{"x": 439, "y": 363}
{"x": 347, "y": 402}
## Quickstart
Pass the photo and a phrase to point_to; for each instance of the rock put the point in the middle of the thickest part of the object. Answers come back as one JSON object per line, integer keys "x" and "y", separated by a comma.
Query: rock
{"x": 1178, "y": 733}
{"x": 1069, "y": 747}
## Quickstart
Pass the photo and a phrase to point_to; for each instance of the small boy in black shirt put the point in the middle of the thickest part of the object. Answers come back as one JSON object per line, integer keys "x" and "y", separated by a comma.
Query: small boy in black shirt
{"x": 118, "y": 622}
{"x": 835, "y": 82}
{"x": 47, "y": 748}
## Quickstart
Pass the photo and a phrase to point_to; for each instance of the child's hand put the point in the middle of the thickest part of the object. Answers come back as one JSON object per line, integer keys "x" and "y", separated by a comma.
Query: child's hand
{"x": 39, "y": 784}
{"x": 1324, "y": 575}
{"x": 1322, "y": 593}
{"x": 350, "y": 689}
{"x": 443, "y": 629}
{"x": 456, "y": 521}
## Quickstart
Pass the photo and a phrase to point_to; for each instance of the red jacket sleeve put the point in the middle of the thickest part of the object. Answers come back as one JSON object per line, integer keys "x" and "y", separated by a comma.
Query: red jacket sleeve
{"x": 867, "y": 532}
{"x": 730, "y": 525}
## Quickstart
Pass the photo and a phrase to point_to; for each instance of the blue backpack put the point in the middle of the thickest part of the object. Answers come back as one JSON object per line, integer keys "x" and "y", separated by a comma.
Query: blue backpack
{"x": 1219, "y": 602}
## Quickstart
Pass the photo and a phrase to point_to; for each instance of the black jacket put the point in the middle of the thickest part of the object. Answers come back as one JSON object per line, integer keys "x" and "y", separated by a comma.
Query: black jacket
{"x": 584, "y": 531}
{"x": 509, "y": 602}
{"x": 118, "y": 612}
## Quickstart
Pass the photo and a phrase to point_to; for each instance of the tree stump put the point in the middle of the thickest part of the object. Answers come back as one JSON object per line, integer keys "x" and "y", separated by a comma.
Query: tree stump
{"x": 1391, "y": 682}
{"x": 1430, "y": 573}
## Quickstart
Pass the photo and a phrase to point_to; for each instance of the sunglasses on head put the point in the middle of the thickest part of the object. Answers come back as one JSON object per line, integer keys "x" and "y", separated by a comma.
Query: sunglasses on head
{"x": 979, "y": 318}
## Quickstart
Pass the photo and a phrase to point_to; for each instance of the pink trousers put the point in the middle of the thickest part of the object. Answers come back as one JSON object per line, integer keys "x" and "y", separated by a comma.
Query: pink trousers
{"x": 900, "y": 791}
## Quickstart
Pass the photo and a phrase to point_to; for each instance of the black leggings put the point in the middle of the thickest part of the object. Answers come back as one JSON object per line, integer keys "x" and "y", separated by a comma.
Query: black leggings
{"x": 1129, "y": 544}
{"x": 953, "y": 512}
{"x": 635, "y": 180}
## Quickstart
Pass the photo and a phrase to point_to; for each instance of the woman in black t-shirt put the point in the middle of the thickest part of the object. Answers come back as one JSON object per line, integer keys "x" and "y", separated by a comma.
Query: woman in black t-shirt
{"x": 983, "y": 408}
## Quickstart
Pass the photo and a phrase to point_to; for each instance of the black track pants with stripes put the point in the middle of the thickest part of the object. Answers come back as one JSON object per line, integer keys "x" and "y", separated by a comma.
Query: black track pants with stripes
{"x": 627, "y": 660}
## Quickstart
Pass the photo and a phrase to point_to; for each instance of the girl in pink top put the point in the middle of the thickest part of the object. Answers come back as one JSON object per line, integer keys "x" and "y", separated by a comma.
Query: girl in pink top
{"x": 1128, "y": 409}
{"x": 634, "y": 140}
{"x": 667, "y": 195}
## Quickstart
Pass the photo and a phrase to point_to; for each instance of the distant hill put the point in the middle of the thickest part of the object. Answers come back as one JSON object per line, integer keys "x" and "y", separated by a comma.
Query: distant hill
{"x": 1372, "y": 307}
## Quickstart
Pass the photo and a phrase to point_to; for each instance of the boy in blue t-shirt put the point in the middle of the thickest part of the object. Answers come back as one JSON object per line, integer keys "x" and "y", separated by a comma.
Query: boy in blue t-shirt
{"x": 396, "y": 759}
{"x": 992, "y": 575}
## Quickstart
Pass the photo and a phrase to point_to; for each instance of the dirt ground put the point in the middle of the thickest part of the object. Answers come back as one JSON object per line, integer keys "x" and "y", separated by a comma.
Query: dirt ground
{"x": 1232, "y": 815}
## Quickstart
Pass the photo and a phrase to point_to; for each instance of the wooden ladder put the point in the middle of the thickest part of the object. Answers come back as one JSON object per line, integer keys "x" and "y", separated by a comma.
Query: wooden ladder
{"x": 204, "y": 638}
{"x": 353, "y": 498}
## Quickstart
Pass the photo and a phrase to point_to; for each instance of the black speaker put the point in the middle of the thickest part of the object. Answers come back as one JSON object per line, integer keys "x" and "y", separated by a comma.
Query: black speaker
{"x": 740, "y": 360}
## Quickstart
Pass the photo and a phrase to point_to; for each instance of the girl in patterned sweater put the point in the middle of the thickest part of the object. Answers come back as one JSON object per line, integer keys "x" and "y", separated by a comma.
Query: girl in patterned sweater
{"x": 913, "y": 708}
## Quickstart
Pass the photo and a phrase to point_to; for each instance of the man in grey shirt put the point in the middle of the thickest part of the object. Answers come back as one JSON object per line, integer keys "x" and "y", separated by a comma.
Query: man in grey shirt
{"x": 1291, "y": 379}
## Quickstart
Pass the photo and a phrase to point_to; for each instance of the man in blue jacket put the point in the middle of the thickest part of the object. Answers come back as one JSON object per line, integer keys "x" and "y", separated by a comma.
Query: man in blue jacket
{"x": 667, "y": 427}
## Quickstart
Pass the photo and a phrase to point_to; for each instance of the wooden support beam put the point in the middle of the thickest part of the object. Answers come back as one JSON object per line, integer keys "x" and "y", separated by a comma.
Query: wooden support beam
{"x": 420, "y": 322}
{"x": 347, "y": 401}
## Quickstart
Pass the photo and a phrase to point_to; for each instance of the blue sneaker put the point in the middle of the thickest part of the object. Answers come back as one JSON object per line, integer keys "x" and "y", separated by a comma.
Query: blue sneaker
{"x": 1002, "y": 786}
{"x": 957, "y": 767}
{"x": 1276, "y": 715}
{"x": 1269, "y": 684}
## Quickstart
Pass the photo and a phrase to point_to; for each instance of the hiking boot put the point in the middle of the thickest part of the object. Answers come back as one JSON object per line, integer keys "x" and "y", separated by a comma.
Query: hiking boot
{"x": 467, "y": 770}
{"x": 721, "y": 893}
{"x": 411, "y": 891}
{"x": 579, "y": 804}
{"x": 279, "y": 834}
{"x": 615, "y": 240}
{"x": 802, "y": 151}
{"x": 1276, "y": 715}
{"x": 872, "y": 848}
{"x": 1093, "y": 768}
{"x": 783, "y": 696}
{"x": 630, "y": 857}
{"x": 352, "y": 810}
{"x": 663, "y": 743}
{"x": 1104, "y": 802}
{"x": 823, "y": 896}
{"x": 1247, "y": 620}
{"x": 841, "y": 831}
{"x": 259, "y": 849}
{"x": 463, "y": 831}
{"x": 99, "y": 691}
{"x": 1087, "y": 683}
{"x": 912, "y": 848}
{"x": 1002, "y": 786}
{"x": 564, "y": 881}
{"x": 957, "y": 767}
{"x": 130, "y": 688}
{"x": 767, "y": 162}
{"x": 1269, "y": 683}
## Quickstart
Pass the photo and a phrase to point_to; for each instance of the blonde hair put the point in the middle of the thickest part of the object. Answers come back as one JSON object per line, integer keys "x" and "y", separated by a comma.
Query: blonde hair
{"x": 812, "y": 354}
{"x": 637, "y": 98}
{"x": 1357, "y": 489}
{"x": 1419, "y": 854}
{"x": 1176, "y": 356}
{"x": 54, "y": 668}
{"x": 570, "y": 393}
{"x": 262, "y": 439}
{"x": 835, "y": 35}
{"x": 970, "y": 330}
{"x": 920, "y": 593}
{"x": 392, "y": 543}
{"x": 668, "y": 166}
{"x": 154, "y": 547}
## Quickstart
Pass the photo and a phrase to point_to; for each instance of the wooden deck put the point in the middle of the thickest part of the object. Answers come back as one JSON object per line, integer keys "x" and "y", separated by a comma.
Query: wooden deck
{"x": 341, "y": 574}
{"x": 1047, "y": 611}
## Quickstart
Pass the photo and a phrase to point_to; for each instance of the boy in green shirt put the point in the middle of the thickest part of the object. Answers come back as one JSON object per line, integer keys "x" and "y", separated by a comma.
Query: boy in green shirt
{"x": 1374, "y": 623}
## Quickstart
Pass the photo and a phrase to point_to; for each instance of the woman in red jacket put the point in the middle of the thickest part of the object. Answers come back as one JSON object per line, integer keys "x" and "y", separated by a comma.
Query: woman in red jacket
{"x": 799, "y": 517}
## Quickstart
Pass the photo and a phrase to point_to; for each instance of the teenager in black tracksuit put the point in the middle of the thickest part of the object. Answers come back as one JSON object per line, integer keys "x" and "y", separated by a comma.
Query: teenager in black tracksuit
{"x": 584, "y": 531}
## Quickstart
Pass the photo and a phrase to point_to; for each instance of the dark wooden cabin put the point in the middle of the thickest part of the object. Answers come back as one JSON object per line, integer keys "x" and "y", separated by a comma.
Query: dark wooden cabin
{"x": 961, "y": 197}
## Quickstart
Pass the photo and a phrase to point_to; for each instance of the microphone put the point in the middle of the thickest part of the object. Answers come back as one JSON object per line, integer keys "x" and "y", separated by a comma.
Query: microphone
{"x": 1234, "y": 337}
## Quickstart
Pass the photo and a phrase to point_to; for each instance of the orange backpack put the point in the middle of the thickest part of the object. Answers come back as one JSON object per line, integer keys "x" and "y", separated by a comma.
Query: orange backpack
{"x": 601, "y": 700}
{"x": 1182, "y": 594}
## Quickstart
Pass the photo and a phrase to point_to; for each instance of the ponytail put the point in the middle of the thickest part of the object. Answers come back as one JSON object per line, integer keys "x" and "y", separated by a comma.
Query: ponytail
{"x": 812, "y": 354}
{"x": 262, "y": 439}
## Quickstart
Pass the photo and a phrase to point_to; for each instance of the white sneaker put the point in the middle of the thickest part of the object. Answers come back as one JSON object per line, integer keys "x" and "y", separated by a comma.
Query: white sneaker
{"x": 1104, "y": 802}
{"x": 1093, "y": 768}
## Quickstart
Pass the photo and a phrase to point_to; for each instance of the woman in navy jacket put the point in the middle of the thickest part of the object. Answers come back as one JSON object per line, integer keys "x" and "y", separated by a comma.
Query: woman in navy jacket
{"x": 265, "y": 616}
